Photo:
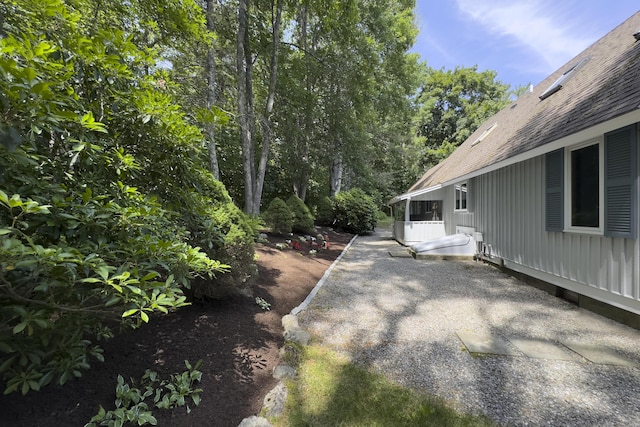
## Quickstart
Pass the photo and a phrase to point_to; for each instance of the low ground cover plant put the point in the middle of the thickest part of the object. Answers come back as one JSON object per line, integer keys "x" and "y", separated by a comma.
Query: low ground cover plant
{"x": 134, "y": 403}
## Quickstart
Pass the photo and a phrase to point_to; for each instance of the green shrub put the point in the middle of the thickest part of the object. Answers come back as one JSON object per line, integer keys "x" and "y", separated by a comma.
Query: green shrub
{"x": 223, "y": 232}
{"x": 256, "y": 223}
{"x": 106, "y": 212}
{"x": 324, "y": 211}
{"x": 383, "y": 220}
{"x": 355, "y": 212}
{"x": 279, "y": 217}
{"x": 302, "y": 218}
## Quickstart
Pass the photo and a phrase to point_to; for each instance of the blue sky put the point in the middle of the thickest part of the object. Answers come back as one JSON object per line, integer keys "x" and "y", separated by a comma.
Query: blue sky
{"x": 523, "y": 40}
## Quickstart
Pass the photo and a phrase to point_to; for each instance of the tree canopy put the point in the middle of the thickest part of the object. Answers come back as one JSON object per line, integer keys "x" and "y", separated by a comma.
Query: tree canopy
{"x": 452, "y": 105}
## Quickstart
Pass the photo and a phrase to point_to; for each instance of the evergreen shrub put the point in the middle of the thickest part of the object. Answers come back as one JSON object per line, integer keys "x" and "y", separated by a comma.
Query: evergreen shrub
{"x": 279, "y": 217}
{"x": 302, "y": 218}
{"x": 324, "y": 211}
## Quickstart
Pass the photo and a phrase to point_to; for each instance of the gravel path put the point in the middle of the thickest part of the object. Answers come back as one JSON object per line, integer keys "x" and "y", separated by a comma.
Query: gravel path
{"x": 400, "y": 316}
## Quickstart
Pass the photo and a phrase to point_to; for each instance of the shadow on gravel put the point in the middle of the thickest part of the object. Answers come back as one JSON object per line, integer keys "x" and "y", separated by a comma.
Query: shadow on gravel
{"x": 412, "y": 301}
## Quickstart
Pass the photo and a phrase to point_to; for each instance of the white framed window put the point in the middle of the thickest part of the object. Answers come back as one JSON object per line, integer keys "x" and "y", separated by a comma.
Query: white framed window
{"x": 593, "y": 187}
{"x": 461, "y": 197}
{"x": 584, "y": 188}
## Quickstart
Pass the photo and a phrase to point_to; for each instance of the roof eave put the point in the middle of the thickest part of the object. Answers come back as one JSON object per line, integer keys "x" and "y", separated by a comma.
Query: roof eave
{"x": 412, "y": 194}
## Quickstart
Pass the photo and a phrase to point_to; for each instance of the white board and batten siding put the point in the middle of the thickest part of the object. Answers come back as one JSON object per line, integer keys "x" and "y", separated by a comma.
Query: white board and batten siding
{"x": 507, "y": 207}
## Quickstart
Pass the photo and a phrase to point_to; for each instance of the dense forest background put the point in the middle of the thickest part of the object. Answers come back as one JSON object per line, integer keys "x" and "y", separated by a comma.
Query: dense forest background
{"x": 141, "y": 140}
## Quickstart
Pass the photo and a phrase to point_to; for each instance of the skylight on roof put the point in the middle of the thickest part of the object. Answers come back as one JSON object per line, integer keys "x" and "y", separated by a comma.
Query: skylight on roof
{"x": 484, "y": 134}
{"x": 557, "y": 85}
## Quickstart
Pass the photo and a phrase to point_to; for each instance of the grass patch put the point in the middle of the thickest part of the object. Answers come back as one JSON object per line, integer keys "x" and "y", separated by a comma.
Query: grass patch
{"x": 331, "y": 391}
{"x": 384, "y": 221}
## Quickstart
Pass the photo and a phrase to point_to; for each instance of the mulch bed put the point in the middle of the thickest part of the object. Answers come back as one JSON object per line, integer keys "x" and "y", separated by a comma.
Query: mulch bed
{"x": 237, "y": 340}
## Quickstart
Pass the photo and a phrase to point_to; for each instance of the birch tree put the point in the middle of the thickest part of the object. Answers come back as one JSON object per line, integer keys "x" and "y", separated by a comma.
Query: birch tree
{"x": 211, "y": 91}
{"x": 254, "y": 178}
{"x": 347, "y": 62}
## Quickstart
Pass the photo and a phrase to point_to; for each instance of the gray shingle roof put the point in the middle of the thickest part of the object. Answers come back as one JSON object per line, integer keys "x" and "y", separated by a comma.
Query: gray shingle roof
{"x": 605, "y": 87}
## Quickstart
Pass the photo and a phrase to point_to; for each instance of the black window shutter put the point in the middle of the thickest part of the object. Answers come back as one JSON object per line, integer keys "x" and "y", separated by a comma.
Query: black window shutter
{"x": 554, "y": 186}
{"x": 620, "y": 182}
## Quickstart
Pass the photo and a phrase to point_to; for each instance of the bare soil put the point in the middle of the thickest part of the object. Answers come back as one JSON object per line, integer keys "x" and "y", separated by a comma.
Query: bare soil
{"x": 237, "y": 340}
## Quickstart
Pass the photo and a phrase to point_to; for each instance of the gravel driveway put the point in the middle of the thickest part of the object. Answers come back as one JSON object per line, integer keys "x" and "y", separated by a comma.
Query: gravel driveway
{"x": 401, "y": 316}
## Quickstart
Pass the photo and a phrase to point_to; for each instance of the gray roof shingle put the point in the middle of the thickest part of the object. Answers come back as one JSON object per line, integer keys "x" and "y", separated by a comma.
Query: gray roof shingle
{"x": 605, "y": 87}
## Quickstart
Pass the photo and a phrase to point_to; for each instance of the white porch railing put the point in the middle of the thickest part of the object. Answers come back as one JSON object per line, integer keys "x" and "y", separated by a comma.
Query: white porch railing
{"x": 410, "y": 232}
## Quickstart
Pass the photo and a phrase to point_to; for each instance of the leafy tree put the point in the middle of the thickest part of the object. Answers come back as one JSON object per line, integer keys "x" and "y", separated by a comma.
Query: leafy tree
{"x": 339, "y": 108}
{"x": 211, "y": 92}
{"x": 346, "y": 67}
{"x": 107, "y": 212}
{"x": 453, "y": 103}
{"x": 254, "y": 175}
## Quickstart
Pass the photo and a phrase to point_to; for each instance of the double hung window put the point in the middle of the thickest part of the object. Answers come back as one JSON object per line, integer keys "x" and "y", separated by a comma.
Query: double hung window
{"x": 584, "y": 179}
{"x": 461, "y": 196}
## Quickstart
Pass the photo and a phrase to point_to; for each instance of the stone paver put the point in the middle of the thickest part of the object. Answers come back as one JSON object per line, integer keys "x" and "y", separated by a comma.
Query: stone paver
{"x": 483, "y": 342}
{"x": 542, "y": 349}
{"x": 601, "y": 355}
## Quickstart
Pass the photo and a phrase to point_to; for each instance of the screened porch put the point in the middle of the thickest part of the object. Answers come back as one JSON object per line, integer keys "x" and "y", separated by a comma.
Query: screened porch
{"x": 417, "y": 221}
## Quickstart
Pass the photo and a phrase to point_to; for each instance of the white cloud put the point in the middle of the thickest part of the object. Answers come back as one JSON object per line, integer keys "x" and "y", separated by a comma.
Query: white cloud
{"x": 538, "y": 25}
{"x": 443, "y": 51}
{"x": 425, "y": 39}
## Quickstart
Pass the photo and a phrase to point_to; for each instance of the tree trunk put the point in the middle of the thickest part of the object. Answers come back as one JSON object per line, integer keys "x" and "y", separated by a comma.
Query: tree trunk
{"x": 301, "y": 179}
{"x": 211, "y": 94}
{"x": 266, "y": 120}
{"x": 243, "y": 113}
{"x": 300, "y": 186}
{"x": 251, "y": 115}
{"x": 336, "y": 175}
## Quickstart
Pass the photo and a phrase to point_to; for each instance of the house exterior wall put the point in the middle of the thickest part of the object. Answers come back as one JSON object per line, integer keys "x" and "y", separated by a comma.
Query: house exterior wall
{"x": 507, "y": 206}
{"x": 453, "y": 218}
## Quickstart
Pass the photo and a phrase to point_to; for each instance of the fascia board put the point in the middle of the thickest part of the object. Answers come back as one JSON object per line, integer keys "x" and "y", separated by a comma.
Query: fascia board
{"x": 413, "y": 194}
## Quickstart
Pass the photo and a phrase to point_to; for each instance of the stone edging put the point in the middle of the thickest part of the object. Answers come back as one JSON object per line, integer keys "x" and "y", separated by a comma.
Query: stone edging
{"x": 323, "y": 279}
{"x": 274, "y": 402}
